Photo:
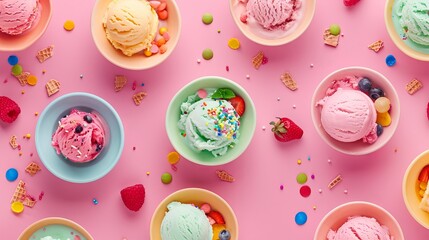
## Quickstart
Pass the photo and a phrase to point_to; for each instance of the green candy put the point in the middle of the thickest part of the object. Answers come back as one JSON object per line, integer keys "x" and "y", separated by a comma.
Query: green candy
{"x": 301, "y": 178}
{"x": 335, "y": 29}
{"x": 16, "y": 70}
{"x": 207, "y": 54}
{"x": 166, "y": 178}
{"x": 207, "y": 18}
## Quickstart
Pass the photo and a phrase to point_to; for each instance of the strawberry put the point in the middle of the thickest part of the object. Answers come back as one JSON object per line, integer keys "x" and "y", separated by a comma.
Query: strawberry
{"x": 238, "y": 103}
{"x": 133, "y": 197}
{"x": 215, "y": 215}
{"x": 424, "y": 174}
{"x": 9, "y": 110}
{"x": 286, "y": 130}
{"x": 349, "y": 3}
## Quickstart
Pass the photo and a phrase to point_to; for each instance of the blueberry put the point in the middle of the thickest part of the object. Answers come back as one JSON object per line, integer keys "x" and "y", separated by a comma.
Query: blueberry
{"x": 224, "y": 235}
{"x": 379, "y": 130}
{"x": 78, "y": 129}
{"x": 375, "y": 93}
{"x": 87, "y": 118}
{"x": 365, "y": 84}
{"x": 99, "y": 147}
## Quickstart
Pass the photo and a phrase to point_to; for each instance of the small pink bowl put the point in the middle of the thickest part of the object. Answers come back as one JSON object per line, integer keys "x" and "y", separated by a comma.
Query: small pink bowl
{"x": 339, "y": 215}
{"x": 358, "y": 147}
{"x": 26, "y": 39}
{"x": 410, "y": 189}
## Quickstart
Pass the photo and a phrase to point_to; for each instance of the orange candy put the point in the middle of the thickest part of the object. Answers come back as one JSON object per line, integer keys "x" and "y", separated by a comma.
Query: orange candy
{"x": 162, "y": 49}
{"x": 162, "y": 7}
{"x": 161, "y": 41}
{"x": 163, "y": 15}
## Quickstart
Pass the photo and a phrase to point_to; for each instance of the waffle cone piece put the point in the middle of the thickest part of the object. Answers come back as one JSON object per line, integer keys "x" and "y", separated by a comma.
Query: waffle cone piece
{"x": 44, "y": 54}
{"x": 330, "y": 39}
{"x": 52, "y": 87}
{"x": 32, "y": 168}
{"x": 13, "y": 142}
{"x": 22, "y": 78}
{"x": 414, "y": 86}
{"x": 138, "y": 97}
{"x": 120, "y": 82}
{"x": 335, "y": 181}
{"x": 20, "y": 193}
{"x": 376, "y": 46}
{"x": 224, "y": 176}
{"x": 288, "y": 81}
{"x": 257, "y": 60}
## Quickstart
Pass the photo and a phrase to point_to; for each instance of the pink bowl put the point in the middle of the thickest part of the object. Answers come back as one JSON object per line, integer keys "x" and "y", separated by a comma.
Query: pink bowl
{"x": 358, "y": 147}
{"x": 339, "y": 215}
{"x": 22, "y": 41}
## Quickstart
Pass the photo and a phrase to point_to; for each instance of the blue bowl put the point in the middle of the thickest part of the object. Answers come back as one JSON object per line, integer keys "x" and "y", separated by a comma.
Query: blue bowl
{"x": 56, "y": 163}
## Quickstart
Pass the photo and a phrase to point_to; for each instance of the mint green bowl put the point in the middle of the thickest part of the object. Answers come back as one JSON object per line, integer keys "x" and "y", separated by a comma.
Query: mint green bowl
{"x": 247, "y": 122}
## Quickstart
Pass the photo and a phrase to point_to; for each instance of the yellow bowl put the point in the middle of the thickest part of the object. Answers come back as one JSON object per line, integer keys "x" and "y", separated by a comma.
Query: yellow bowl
{"x": 196, "y": 196}
{"x": 357, "y": 147}
{"x": 26, "y": 39}
{"x": 410, "y": 189}
{"x": 138, "y": 61}
{"x": 65, "y": 225}
{"x": 393, "y": 28}
{"x": 309, "y": 7}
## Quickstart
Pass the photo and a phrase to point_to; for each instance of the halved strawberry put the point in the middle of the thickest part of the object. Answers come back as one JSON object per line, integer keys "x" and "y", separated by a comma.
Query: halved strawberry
{"x": 216, "y": 216}
{"x": 238, "y": 103}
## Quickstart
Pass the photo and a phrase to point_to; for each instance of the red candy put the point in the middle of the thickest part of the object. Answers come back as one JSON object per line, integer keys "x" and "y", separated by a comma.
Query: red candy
{"x": 424, "y": 174}
{"x": 217, "y": 217}
{"x": 9, "y": 110}
{"x": 349, "y": 3}
{"x": 206, "y": 208}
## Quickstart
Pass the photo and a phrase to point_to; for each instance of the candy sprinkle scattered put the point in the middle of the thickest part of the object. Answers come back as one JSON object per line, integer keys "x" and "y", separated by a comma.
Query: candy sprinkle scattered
{"x": 301, "y": 218}
{"x": 314, "y": 207}
{"x": 81, "y": 76}
{"x": 207, "y": 18}
{"x": 94, "y": 201}
{"x": 281, "y": 187}
{"x": 17, "y": 207}
{"x": 147, "y": 173}
{"x": 234, "y": 43}
{"x": 173, "y": 157}
{"x": 312, "y": 176}
{"x": 345, "y": 191}
{"x": 207, "y": 54}
{"x": 263, "y": 128}
{"x": 299, "y": 161}
{"x": 320, "y": 190}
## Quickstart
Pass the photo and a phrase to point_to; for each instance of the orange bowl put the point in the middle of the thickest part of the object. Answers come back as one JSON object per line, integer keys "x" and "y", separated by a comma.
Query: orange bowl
{"x": 61, "y": 228}
{"x": 27, "y": 38}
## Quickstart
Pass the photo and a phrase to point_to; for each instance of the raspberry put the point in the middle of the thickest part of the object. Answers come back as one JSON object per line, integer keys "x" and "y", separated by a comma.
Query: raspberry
{"x": 9, "y": 110}
{"x": 349, "y": 3}
{"x": 133, "y": 197}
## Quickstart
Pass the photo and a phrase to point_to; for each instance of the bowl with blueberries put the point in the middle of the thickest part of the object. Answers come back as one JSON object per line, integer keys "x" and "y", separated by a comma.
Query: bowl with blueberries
{"x": 355, "y": 110}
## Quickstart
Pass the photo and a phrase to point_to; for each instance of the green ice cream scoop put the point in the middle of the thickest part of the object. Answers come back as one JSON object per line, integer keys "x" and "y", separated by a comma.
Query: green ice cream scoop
{"x": 414, "y": 19}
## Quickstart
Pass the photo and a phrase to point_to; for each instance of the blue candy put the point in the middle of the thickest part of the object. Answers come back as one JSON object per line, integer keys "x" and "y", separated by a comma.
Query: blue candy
{"x": 390, "y": 60}
{"x": 12, "y": 60}
{"x": 11, "y": 174}
{"x": 301, "y": 218}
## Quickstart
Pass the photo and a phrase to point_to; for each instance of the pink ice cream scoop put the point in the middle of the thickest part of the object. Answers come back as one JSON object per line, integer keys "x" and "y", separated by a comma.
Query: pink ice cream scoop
{"x": 360, "y": 228}
{"x": 17, "y": 16}
{"x": 273, "y": 14}
{"x": 80, "y": 136}
{"x": 349, "y": 115}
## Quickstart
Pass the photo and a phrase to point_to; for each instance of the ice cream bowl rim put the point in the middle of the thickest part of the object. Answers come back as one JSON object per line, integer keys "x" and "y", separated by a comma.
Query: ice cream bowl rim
{"x": 26, "y": 234}
{"x": 63, "y": 168}
{"x": 29, "y": 37}
{"x": 340, "y": 214}
{"x": 247, "y": 122}
{"x": 138, "y": 61}
{"x": 394, "y": 35}
{"x": 357, "y": 147}
{"x": 303, "y": 24}
{"x": 193, "y": 195}
{"x": 409, "y": 191}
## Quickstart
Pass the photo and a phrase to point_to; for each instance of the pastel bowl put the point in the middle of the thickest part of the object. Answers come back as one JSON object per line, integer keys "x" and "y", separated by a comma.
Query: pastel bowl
{"x": 138, "y": 61}
{"x": 307, "y": 12}
{"x": 410, "y": 189}
{"x": 357, "y": 147}
{"x": 339, "y": 215}
{"x": 195, "y": 196}
{"x": 56, "y": 227}
{"x": 27, "y": 38}
{"x": 247, "y": 122}
{"x": 396, "y": 33}
{"x": 56, "y": 163}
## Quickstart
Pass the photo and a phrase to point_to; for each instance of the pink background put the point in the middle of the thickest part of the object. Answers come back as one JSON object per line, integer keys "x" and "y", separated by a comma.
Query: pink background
{"x": 263, "y": 210}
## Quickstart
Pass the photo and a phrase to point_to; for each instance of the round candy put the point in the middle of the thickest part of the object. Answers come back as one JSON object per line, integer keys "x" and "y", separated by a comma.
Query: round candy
{"x": 335, "y": 29}
{"x": 166, "y": 178}
{"x": 32, "y": 80}
{"x": 11, "y": 174}
{"x": 202, "y": 93}
{"x": 16, "y": 69}
{"x": 301, "y": 218}
{"x": 390, "y": 60}
{"x": 162, "y": 30}
{"x": 382, "y": 104}
{"x": 69, "y": 25}
{"x": 384, "y": 119}
{"x": 207, "y": 54}
{"x": 17, "y": 207}
{"x": 173, "y": 157}
{"x": 305, "y": 191}
{"x": 301, "y": 178}
{"x": 12, "y": 60}
{"x": 207, "y": 18}
{"x": 234, "y": 43}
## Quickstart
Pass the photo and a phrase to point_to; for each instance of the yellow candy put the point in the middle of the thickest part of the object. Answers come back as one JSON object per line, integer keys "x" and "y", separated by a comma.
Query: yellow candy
{"x": 421, "y": 193}
{"x": 28, "y": 136}
{"x": 69, "y": 25}
{"x": 423, "y": 185}
{"x": 217, "y": 228}
{"x": 173, "y": 157}
{"x": 234, "y": 44}
{"x": 163, "y": 30}
{"x": 17, "y": 207}
{"x": 382, "y": 104}
{"x": 147, "y": 53}
{"x": 32, "y": 80}
{"x": 384, "y": 119}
